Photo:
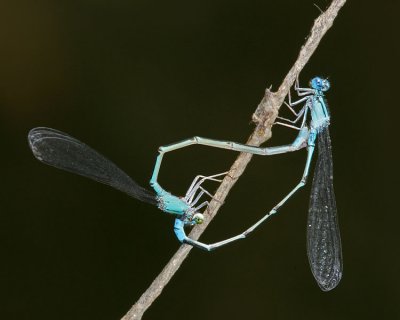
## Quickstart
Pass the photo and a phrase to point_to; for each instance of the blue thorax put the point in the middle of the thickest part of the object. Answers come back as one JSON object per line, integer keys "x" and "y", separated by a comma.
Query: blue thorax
{"x": 168, "y": 202}
{"x": 319, "y": 112}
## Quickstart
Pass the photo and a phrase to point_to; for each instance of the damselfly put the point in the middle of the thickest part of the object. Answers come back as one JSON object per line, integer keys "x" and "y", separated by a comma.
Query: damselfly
{"x": 324, "y": 250}
{"x": 324, "y": 247}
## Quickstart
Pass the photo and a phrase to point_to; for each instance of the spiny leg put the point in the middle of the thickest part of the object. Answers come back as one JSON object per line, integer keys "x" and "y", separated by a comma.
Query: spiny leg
{"x": 200, "y": 194}
{"x": 209, "y": 194}
{"x": 193, "y": 202}
{"x": 194, "y": 183}
{"x": 295, "y": 103}
{"x": 302, "y": 91}
{"x": 301, "y": 114}
{"x": 194, "y": 187}
{"x": 292, "y": 126}
{"x": 289, "y": 104}
{"x": 298, "y": 115}
{"x": 203, "y": 204}
{"x": 287, "y": 125}
{"x": 292, "y": 110}
{"x": 202, "y": 189}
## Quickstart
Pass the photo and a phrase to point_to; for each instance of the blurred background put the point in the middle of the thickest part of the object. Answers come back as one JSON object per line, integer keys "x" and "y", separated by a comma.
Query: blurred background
{"x": 129, "y": 76}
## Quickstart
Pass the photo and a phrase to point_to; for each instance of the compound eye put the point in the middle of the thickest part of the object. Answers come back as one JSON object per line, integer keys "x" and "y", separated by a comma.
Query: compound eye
{"x": 316, "y": 83}
{"x": 325, "y": 85}
{"x": 198, "y": 218}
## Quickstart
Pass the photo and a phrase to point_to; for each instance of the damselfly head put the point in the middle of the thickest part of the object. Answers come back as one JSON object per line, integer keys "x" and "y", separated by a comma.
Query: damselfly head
{"x": 318, "y": 83}
{"x": 198, "y": 218}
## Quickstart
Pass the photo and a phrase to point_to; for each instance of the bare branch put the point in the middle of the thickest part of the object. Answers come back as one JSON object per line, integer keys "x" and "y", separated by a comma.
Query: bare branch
{"x": 264, "y": 117}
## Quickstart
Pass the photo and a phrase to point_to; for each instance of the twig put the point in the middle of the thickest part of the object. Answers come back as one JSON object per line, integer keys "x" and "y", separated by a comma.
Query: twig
{"x": 264, "y": 117}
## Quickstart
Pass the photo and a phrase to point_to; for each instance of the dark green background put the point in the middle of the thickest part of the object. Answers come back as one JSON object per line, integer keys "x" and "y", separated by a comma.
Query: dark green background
{"x": 129, "y": 76}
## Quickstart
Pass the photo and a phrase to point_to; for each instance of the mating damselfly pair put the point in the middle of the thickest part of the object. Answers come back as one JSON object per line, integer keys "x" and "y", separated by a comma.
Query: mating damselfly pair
{"x": 60, "y": 150}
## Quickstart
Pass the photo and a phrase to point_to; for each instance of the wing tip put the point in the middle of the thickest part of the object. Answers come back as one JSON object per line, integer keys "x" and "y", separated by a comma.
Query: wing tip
{"x": 330, "y": 284}
{"x": 35, "y": 135}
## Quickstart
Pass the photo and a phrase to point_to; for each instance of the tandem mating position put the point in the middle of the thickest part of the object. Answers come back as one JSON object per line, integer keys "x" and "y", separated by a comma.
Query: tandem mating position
{"x": 324, "y": 251}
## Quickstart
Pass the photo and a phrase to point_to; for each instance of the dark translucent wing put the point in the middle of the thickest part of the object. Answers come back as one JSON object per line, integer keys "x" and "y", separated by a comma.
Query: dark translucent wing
{"x": 62, "y": 151}
{"x": 323, "y": 236}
